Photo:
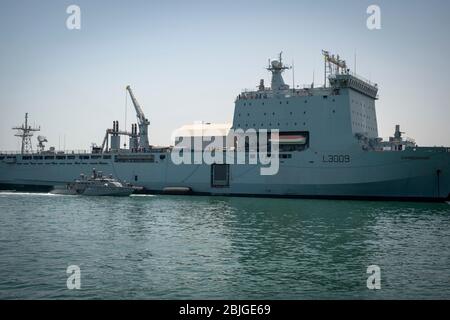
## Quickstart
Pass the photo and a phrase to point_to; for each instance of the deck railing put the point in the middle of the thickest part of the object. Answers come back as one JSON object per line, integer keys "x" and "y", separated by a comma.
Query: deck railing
{"x": 46, "y": 152}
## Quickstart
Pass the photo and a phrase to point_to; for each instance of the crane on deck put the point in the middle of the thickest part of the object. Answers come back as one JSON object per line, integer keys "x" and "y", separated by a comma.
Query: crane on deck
{"x": 143, "y": 122}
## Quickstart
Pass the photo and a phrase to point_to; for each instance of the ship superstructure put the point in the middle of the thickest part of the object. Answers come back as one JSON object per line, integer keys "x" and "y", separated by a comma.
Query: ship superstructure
{"x": 327, "y": 139}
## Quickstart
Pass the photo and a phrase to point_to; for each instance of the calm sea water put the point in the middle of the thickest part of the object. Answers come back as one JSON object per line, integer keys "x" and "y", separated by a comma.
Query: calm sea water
{"x": 180, "y": 247}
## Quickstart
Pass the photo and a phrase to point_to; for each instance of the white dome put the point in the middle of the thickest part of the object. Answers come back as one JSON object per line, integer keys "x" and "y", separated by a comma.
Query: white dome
{"x": 203, "y": 129}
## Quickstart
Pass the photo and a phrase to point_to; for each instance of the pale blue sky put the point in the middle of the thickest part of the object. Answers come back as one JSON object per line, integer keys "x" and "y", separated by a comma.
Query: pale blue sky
{"x": 187, "y": 60}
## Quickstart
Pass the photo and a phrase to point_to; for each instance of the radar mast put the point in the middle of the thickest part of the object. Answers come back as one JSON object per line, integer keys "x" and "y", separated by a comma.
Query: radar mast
{"x": 25, "y": 132}
{"x": 333, "y": 65}
{"x": 277, "y": 68}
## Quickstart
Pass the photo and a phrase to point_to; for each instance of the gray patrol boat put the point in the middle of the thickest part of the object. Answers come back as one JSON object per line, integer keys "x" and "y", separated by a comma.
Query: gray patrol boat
{"x": 327, "y": 147}
{"x": 95, "y": 185}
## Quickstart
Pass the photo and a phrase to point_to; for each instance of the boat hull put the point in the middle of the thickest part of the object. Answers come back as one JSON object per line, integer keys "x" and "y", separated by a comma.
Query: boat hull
{"x": 105, "y": 191}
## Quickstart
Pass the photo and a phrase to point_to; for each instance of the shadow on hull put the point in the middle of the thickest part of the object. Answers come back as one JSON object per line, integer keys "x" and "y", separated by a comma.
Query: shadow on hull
{"x": 25, "y": 188}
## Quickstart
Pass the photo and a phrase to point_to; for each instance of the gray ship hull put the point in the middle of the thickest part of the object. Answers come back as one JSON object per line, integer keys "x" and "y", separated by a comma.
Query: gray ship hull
{"x": 419, "y": 174}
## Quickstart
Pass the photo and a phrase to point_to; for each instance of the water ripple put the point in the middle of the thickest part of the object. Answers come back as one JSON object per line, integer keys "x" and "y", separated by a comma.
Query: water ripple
{"x": 170, "y": 247}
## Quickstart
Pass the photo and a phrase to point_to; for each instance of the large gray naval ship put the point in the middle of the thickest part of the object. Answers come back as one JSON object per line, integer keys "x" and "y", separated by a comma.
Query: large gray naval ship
{"x": 323, "y": 143}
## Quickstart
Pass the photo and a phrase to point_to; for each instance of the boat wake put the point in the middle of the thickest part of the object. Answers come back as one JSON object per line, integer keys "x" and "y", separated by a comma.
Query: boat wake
{"x": 143, "y": 195}
{"x": 18, "y": 193}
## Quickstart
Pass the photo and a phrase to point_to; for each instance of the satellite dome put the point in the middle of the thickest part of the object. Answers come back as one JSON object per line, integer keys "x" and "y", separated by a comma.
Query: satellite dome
{"x": 276, "y": 64}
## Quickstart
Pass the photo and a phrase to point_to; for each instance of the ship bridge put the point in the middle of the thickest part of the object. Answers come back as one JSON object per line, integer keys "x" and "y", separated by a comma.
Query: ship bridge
{"x": 332, "y": 115}
{"x": 337, "y": 76}
{"x": 358, "y": 83}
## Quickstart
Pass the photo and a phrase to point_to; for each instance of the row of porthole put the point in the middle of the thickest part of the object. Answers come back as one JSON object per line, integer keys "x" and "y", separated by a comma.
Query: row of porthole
{"x": 273, "y": 113}
{"x": 363, "y": 126}
{"x": 361, "y": 114}
{"x": 63, "y": 157}
{"x": 362, "y": 105}
{"x": 281, "y": 102}
{"x": 290, "y": 113}
{"x": 270, "y": 124}
{"x": 262, "y": 103}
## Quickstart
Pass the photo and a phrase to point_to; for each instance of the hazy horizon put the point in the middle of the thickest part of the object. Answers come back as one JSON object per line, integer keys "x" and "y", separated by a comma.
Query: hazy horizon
{"x": 187, "y": 61}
